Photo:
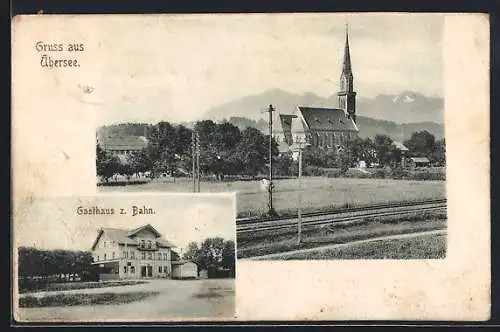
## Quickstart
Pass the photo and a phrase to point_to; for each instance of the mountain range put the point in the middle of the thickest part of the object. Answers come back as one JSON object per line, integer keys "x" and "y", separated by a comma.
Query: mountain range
{"x": 397, "y": 116}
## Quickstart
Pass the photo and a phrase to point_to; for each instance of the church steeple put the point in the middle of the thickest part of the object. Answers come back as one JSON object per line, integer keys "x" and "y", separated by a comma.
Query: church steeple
{"x": 346, "y": 67}
{"x": 347, "y": 96}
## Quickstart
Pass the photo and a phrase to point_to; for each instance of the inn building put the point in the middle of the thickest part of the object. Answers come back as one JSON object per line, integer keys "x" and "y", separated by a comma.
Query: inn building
{"x": 133, "y": 254}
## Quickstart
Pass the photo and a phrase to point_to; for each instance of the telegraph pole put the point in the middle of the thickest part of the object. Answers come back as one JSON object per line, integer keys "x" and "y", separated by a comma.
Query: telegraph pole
{"x": 193, "y": 154}
{"x": 198, "y": 158}
{"x": 270, "y": 188}
{"x": 299, "y": 212}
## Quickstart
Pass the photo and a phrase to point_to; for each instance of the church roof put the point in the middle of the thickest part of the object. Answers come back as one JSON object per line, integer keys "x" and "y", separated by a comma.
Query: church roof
{"x": 327, "y": 119}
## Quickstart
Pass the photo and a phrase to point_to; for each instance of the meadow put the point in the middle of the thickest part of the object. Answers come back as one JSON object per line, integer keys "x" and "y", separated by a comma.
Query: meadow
{"x": 318, "y": 193}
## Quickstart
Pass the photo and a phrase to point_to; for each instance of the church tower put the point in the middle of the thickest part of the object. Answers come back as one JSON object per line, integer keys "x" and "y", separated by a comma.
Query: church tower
{"x": 347, "y": 97}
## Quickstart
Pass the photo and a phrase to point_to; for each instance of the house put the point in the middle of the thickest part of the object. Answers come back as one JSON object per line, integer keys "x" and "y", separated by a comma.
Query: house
{"x": 419, "y": 162}
{"x": 400, "y": 146}
{"x": 122, "y": 145}
{"x": 137, "y": 253}
{"x": 184, "y": 270}
{"x": 319, "y": 126}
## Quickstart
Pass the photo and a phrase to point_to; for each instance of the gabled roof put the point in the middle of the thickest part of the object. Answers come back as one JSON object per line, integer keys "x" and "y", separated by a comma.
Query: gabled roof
{"x": 400, "y": 146}
{"x": 123, "y": 236}
{"x": 144, "y": 227}
{"x": 327, "y": 119}
{"x": 120, "y": 143}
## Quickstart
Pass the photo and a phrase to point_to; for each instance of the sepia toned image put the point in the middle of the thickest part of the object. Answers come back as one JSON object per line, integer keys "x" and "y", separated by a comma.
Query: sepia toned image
{"x": 343, "y": 158}
{"x": 355, "y": 167}
{"x": 126, "y": 258}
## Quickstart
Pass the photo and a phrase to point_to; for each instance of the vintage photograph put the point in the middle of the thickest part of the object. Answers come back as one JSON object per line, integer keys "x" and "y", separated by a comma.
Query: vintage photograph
{"x": 126, "y": 258}
{"x": 329, "y": 127}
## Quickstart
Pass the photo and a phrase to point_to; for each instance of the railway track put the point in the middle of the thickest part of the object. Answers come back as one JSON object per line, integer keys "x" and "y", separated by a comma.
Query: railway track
{"x": 339, "y": 217}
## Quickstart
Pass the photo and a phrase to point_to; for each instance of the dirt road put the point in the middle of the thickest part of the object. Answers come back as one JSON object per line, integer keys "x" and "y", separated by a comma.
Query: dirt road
{"x": 178, "y": 300}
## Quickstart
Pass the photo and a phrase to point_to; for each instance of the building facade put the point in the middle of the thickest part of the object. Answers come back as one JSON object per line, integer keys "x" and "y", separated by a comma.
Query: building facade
{"x": 320, "y": 126}
{"x": 123, "y": 145}
{"x": 134, "y": 254}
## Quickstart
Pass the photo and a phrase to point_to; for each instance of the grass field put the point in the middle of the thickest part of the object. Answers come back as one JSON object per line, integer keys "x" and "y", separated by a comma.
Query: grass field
{"x": 251, "y": 246}
{"x": 60, "y": 286}
{"x": 421, "y": 247}
{"x": 319, "y": 192}
{"x": 62, "y": 300}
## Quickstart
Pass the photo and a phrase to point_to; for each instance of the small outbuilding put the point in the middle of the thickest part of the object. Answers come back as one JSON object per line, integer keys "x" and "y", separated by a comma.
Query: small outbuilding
{"x": 419, "y": 162}
{"x": 184, "y": 270}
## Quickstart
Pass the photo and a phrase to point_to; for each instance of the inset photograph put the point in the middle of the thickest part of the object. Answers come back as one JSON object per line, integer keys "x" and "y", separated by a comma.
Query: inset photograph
{"x": 125, "y": 258}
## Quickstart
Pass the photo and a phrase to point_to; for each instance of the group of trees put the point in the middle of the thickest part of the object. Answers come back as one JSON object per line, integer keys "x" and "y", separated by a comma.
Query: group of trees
{"x": 34, "y": 262}
{"x": 424, "y": 144}
{"x": 213, "y": 255}
{"x": 227, "y": 150}
{"x": 224, "y": 150}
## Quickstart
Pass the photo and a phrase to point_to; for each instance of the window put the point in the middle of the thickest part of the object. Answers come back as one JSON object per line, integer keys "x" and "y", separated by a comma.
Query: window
{"x": 159, "y": 269}
{"x": 150, "y": 255}
{"x": 98, "y": 257}
{"x": 159, "y": 256}
{"x": 125, "y": 254}
{"x": 132, "y": 269}
{"x": 165, "y": 257}
{"x": 125, "y": 269}
{"x": 143, "y": 255}
{"x": 104, "y": 256}
{"x": 165, "y": 269}
{"x": 132, "y": 255}
{"x": 143, "y": 244}
{"x": 149, "y": 244}
{"x": 113, "y": 255}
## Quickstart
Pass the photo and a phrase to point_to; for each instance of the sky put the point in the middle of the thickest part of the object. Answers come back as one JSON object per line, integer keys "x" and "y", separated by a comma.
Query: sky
{"x": 176, "y": 67}
{"x": 52, "y": 223}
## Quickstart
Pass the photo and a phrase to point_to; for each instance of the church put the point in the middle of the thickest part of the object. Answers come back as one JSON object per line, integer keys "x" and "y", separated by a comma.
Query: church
{"x": 319, "y": 126}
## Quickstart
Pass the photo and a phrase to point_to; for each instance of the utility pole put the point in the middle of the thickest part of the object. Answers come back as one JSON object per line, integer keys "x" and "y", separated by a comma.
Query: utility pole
{"x": 270, "y": 188}
{"x": 299, "y": 212}
{"x": 198, "y": 158}
{"x": 193, "y": 154}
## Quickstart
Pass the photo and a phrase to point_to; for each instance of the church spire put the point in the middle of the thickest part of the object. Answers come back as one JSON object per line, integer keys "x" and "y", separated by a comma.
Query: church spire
{"x": 346, "y": 67}
{"x": 347, "y": 96}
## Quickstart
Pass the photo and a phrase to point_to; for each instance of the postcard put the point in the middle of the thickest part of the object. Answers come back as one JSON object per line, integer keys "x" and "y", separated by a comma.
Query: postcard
{"x": 355, "y": 146}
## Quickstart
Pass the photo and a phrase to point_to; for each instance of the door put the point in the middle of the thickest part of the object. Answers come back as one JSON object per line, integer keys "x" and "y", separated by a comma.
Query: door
{"x": 150, "y": 271}
{"x": 143, "y": 271}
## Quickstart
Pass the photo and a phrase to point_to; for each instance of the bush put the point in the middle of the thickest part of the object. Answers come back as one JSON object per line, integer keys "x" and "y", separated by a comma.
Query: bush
{"x": 313, "y": 171}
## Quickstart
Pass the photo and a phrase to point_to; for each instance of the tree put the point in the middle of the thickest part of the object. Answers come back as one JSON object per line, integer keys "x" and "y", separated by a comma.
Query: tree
{"x": 174, "y": 256}
{"x": 210, "y": 257}
{"x": 438, "y": 156}
{"x": 421, "y": 144}
{"x": 346, "y": 159}
{"x": 284, "y": 165}
{"x": 106, "y": 163}
{"x": 384, "y": 149}
{"x": 252, "y": 151}
{"x": 228, "y": 257}
{"x": 192, "y": 253}
{"x": 139, "y": 162}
